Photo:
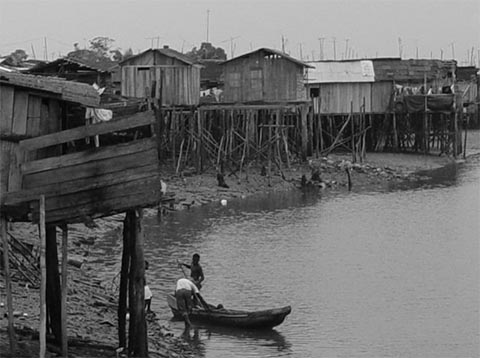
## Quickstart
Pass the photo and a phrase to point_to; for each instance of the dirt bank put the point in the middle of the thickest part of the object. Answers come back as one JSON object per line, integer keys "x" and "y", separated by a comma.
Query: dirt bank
{"x": 92, "y": 303}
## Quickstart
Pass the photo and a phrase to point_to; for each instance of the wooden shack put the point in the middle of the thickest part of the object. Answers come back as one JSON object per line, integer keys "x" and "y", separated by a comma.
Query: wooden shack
{"x": 164, "y": 74}
{"x": 264, "y": 75}
{"x": 81, "y": 66}
{"x": 47, "y": 179}
{"x": 340, "y": 87}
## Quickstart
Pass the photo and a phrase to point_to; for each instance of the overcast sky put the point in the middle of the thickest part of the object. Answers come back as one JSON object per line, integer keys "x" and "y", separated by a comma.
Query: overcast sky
{"x": 353, "y": 28}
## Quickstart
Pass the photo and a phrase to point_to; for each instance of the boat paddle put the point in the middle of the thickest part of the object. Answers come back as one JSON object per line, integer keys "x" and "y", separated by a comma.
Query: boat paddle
{"x": 197, "y": 296}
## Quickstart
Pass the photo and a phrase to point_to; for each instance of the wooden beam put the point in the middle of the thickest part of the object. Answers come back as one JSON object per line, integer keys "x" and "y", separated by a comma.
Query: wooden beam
{"x": 8, "y": 286}
{"x": 43, "y": 280}
{"x": 137, "y": 120}
{"x": 86, "y": 184}
{"x": 90, "y": 155}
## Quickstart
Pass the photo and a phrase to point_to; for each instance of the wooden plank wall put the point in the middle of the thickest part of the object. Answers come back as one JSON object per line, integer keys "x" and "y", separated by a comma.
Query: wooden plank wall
{"x": 92, "y": 183}
{"x": 22, "y": 115}
{"x": 181, "y": 84}
{"x": 281, "y": 79}
{"x": 382, "y": 96}
{"x": 336, "y": 97}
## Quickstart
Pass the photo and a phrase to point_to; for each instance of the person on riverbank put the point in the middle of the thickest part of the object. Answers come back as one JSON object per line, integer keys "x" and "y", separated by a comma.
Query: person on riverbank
{"x": 186, "y": 294}
{"x": 196, "y": 271}
{"x": 148, "y": 292}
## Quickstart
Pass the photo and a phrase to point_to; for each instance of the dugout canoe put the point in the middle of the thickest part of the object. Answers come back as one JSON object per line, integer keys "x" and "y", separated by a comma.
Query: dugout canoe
{"x": 263, "y": 319}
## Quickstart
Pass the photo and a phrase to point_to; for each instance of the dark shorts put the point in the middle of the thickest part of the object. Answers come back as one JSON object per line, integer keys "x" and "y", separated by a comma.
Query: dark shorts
{"x": 184, "y": 301}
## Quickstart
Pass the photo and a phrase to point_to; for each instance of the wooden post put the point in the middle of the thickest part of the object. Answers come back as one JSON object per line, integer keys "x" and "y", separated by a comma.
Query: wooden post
{"x": 123, "y": 294}
{"x": 64, "y": 290}
{"x": 352, "y": 127}
{"x": 8, "y": 287}
{"x": 269, "y": 149}
{"x": 53, "y": 293}
{"x": 137, "y": 332}
{"x": 304, "y": 131}
{"x": 43, "y": 280}
{"x": 425, "y": 118}
{"x": 363, "y": 155}
{"x": 465, "y": 139}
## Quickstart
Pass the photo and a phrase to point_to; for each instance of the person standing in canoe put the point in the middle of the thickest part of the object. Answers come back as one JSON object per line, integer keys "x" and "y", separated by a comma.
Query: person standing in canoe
{"x": 185, "y": 293}
{"x": 196, "y": 272}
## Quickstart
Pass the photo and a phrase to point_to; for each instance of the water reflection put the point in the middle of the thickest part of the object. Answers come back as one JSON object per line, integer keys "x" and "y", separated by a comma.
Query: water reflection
{"x": 270, "y": 341}
{"x": 192, "y": 337}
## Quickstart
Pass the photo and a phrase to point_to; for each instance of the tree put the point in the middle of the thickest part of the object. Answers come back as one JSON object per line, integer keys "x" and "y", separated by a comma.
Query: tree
{"x": 16, "y": 58}
{"x": 101, "y": 45}
{"x": 207, "y": 51}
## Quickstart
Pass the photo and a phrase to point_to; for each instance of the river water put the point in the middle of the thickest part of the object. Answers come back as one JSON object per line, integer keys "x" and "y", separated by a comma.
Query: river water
{"x": 394, "y": 273}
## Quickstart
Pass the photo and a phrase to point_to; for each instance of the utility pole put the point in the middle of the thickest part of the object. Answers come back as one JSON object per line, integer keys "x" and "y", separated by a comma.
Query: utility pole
{"x": 300, "y": 50}
{"x": 441, "y": 54}
{"x": 33, "y": 52}
{"x": 400, "y": 47}
{"x": 453, "y": 50}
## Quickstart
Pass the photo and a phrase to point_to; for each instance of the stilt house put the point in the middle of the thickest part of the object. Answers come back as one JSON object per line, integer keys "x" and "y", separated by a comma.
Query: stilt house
{"x": 48, "y": 177}
{"x": 264, "y": 75}
{"x": 164, "y": 74}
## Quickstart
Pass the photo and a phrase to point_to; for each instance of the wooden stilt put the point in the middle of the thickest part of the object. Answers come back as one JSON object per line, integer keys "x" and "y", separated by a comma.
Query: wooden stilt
{"x": 465, "y": 139}
{"x": 304, "y": 131}
{"x": 123, "y": 294}
{"x": 43, "y": 280}
{"x": 137, "y": 333}
{"x": 8, "y": 285}
{"x": 64, "y": 290}
{"x": 53, "y": 295}
{"x": 352, "y": 130}
{"x": 269, "y": 174}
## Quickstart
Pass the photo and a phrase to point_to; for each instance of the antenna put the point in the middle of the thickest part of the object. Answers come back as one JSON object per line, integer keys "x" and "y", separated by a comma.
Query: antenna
{"x": 334, "y": 48}
{"x": 45, "y": 51}
{"x": 208, "y": 21}
{"x": 321, "y": 42}
{"x": 232, "y": 45}
{"x": 346, "y": 47}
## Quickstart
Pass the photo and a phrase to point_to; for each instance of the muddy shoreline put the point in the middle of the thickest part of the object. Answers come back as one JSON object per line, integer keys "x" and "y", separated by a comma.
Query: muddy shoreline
{"x": 92, "y": 303}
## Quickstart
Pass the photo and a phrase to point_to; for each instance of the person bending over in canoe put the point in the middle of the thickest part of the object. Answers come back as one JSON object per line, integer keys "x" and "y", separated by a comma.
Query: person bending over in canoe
{"x": 186, "y": 293}
{"x": 196, "y": 272}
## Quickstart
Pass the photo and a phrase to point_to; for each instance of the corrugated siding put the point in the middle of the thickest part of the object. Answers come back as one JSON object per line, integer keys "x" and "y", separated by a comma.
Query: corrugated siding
{"x": 181, "y": 84}
{"x": 336, "y": 97}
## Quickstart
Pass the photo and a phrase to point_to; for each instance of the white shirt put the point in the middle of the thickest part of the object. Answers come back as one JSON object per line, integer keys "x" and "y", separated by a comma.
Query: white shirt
{"x": 185, "y": 283}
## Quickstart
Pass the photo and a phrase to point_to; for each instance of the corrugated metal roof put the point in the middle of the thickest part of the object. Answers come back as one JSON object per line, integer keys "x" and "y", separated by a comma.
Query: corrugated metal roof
{"x": 341, "y": 71}
{"x": 388, "y": 69}
{"x": 68, "y": 90}
{"x": 84, "y": 58}
{"x": 271, "y": 52}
